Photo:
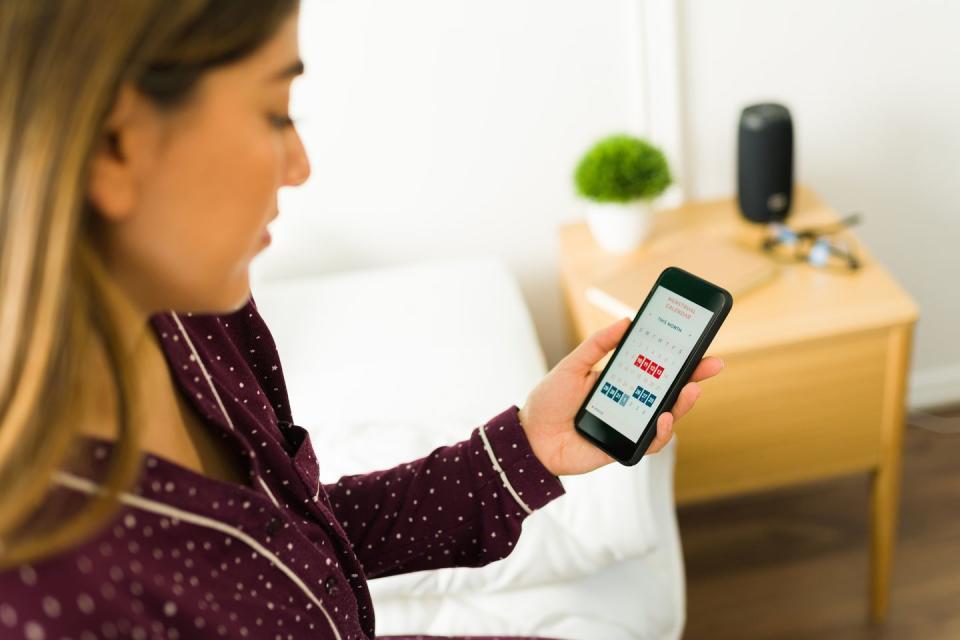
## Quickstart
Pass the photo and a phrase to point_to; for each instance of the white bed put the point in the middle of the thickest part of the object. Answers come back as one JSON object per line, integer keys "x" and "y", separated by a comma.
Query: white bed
{"x": 449, "y": 344}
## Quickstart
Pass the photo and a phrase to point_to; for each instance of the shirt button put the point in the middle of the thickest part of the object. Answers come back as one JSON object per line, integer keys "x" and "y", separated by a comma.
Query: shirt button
{"x": 272, "y": 525}
{"x": 331, "y": 586}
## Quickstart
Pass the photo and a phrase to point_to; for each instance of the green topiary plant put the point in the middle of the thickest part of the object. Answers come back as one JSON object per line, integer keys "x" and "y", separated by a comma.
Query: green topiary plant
{"x": 621, "y": 168}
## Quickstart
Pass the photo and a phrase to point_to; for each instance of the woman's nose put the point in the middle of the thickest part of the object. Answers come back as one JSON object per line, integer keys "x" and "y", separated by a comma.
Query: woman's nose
{"x": 298, "y": 164}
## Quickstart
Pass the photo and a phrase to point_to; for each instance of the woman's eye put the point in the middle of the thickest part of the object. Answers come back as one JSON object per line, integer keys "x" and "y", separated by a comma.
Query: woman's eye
{"x": 281, "y": 121}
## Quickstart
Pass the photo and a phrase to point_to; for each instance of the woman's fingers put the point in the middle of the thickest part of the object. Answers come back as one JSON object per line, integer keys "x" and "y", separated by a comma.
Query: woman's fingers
{"x": 708, "y": 367}
{"x": 664, "y": 432}
{"x": 685, "y": 401}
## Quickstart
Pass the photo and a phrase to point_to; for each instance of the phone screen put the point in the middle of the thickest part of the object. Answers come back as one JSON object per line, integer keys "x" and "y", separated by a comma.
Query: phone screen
{"x": 650, "y": 359}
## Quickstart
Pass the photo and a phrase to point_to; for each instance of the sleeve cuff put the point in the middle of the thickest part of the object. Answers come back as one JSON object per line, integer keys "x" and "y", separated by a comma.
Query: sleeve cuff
{"x": 518, "y": 468}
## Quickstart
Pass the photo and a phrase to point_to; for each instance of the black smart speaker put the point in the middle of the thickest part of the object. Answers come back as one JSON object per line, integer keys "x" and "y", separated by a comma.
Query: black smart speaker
{"x": 765, "y": 162}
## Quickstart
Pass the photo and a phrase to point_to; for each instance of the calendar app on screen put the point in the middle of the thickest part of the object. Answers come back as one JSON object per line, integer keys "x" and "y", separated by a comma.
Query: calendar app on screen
{"x": 649, "y": 361}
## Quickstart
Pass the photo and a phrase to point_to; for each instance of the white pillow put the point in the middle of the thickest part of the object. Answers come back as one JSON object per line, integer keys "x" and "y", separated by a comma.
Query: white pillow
{"x": 439, "y": 328}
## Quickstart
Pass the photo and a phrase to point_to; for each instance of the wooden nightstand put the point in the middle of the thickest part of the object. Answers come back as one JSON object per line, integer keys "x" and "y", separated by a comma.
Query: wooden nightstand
{"x": 816, "y": 367}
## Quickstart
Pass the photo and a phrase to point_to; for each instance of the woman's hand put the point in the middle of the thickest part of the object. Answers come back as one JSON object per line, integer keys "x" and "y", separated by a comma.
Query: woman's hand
{"x": 547, "y": 416}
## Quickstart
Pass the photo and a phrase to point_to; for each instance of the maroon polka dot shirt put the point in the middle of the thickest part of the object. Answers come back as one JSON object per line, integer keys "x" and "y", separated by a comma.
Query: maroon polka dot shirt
{"x": 284, "y": 556}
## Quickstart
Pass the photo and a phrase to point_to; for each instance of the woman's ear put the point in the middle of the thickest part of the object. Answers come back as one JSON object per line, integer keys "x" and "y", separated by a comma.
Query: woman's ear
{"x": 121, "y": 153}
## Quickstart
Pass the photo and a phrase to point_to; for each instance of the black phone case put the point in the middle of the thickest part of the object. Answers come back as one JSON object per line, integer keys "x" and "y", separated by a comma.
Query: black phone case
{"x": 696, "y": 354}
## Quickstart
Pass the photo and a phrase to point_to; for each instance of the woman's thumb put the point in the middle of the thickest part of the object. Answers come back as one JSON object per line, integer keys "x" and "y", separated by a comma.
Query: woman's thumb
{"x": 591, "y": 351}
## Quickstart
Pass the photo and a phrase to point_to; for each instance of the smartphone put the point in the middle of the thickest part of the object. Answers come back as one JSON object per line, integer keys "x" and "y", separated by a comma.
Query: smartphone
{"x": 658, "y": 354}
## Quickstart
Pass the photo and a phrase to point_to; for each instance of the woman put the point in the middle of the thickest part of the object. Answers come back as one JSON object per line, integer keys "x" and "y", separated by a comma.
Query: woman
{"x": 152, "y": 483}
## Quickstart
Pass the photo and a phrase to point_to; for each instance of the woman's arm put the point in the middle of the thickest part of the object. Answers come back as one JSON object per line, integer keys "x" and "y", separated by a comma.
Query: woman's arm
{"x": 462, "y": 505}
{"x": 454, "y": 507}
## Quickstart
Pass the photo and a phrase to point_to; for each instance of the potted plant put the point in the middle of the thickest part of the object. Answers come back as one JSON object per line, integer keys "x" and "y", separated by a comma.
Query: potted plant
{"x": 620, "y": 176}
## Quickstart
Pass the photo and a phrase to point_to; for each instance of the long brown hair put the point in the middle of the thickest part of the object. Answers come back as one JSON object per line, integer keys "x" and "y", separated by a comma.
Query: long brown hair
{"x": 62, "y": 63}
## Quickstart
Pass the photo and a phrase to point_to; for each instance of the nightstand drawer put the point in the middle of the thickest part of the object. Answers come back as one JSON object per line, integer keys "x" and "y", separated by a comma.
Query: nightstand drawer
{"x": 775, "y": 417}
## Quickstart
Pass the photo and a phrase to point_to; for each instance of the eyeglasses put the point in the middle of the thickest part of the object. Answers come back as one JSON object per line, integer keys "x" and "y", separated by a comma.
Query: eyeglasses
{"x": 813, "y": 245}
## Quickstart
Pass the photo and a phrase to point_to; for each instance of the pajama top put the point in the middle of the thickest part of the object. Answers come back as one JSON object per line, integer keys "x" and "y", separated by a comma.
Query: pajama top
{"x": 286, "y": 556}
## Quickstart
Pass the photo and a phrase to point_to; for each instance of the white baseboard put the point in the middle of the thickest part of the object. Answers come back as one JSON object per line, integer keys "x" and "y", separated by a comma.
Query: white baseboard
{"x": 933, "y": 387}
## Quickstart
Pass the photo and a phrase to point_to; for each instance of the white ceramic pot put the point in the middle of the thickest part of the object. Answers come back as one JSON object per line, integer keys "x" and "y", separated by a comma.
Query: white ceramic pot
{"x": 620, "y": 227}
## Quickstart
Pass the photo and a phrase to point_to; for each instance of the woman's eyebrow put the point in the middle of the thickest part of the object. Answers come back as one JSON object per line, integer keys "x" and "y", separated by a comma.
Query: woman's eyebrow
{"x": 290, "y": 71}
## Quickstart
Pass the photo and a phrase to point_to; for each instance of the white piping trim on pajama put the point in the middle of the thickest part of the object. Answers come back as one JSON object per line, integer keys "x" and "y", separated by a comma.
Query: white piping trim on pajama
{"x": 267, "y": 489}
{"x": 82, "y": 484}
{"x": 213, "y": 389}
{"x": 503, "y": 475}
{"x": 206, "y": 376}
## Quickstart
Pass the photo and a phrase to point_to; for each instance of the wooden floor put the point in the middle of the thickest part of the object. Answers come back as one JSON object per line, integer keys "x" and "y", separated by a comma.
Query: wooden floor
{"x": 793, "y": 563}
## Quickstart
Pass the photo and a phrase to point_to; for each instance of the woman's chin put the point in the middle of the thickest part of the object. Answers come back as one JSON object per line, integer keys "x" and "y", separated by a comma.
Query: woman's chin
{"x": 240, "y": 301}
{"x": 220, "y": 305}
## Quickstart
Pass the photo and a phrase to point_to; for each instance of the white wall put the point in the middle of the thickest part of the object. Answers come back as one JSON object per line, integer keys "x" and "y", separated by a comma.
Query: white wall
{"x": 447, "y": 127}
{"x": 874, "y": 88}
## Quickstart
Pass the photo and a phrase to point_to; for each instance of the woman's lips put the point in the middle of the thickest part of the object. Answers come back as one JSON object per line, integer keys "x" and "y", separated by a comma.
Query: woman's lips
{"x": 265, "y": 238}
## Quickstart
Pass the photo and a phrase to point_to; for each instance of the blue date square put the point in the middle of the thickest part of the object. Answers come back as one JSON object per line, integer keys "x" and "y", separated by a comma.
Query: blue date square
{"x": 650, "y": 400}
